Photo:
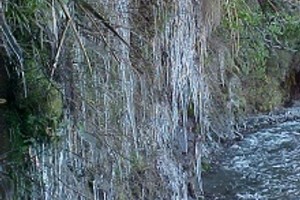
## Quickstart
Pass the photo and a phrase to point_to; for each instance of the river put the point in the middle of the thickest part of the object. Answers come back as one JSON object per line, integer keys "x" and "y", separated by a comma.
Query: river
{"x": 264, "y": 165}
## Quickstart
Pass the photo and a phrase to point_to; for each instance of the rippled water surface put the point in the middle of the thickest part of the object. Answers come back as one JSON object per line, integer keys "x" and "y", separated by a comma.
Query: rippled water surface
{"x": 265, "y": 165}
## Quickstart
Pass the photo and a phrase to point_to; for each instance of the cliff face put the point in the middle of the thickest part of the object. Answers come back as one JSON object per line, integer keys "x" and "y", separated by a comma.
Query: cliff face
{"x": 149, "y": 89}
{"x": 136, "y": 100}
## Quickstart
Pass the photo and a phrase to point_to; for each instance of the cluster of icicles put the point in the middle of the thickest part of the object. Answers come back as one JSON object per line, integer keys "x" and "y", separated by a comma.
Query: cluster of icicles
{"x": 130, "y": 137}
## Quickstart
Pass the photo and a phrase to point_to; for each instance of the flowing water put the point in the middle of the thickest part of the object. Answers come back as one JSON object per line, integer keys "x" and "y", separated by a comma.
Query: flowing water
{"x": 264, "y": 165}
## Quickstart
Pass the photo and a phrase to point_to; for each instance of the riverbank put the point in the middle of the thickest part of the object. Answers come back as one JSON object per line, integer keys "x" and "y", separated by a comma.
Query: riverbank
{"x": 279, "y": 115}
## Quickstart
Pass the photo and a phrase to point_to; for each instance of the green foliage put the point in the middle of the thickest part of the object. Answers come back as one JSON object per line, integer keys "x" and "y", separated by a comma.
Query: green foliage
{"x": 257, "y": 39}
{"x": 41, "y": 110}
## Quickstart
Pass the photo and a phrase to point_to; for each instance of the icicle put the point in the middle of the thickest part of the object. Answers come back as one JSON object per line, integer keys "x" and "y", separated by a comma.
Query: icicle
{"x": 123, "y": 114}
{"x": 222, "y": 66}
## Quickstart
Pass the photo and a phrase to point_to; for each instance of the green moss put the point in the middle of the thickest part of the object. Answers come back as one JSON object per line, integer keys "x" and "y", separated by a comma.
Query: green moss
{"x": 54, "y": 103}
{"x": 206, "y": 166}
{"x": 41, "y": 110}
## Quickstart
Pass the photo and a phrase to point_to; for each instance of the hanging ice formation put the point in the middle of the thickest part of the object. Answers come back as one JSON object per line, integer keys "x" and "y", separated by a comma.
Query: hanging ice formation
{"x": 133, "y": 127}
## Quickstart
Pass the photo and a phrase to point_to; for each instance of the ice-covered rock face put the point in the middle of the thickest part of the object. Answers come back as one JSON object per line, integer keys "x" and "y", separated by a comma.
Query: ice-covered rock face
{"x": 265, "y": 165}
{"x": 126, "y": 133}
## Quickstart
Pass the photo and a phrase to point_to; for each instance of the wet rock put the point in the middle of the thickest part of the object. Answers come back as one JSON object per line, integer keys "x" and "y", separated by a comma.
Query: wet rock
{"x": 277, "y": 116}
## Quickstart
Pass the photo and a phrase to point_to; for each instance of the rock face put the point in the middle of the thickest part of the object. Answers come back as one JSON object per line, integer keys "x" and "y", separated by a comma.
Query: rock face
{"x": 121, "y": 119}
